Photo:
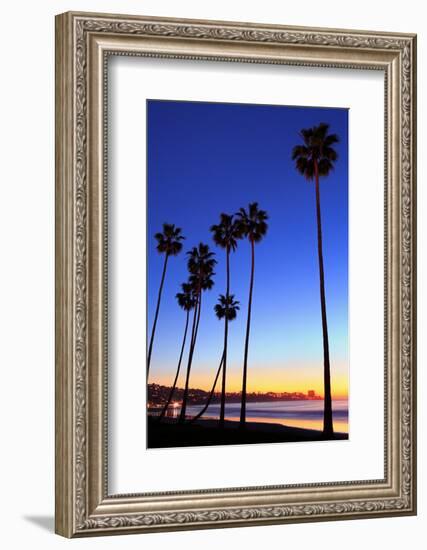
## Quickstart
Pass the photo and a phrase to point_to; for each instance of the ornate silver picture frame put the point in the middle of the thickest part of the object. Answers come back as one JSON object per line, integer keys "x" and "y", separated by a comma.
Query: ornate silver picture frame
{"x": 84, "y": 42}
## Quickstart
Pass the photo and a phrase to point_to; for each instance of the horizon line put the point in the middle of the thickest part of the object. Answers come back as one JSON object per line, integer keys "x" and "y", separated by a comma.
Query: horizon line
{"x": 305, "y": 393}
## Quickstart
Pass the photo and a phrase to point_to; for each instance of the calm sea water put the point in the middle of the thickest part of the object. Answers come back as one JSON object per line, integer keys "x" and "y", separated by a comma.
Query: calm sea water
{"x": 301, "y": 414}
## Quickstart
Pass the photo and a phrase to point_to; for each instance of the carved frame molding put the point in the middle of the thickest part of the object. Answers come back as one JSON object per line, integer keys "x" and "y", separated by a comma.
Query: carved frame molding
{"x": 83, "y": 43}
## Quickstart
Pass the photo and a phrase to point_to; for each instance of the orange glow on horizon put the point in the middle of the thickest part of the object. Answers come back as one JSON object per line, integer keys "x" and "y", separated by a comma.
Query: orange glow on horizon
{"x": 300, "y": 378}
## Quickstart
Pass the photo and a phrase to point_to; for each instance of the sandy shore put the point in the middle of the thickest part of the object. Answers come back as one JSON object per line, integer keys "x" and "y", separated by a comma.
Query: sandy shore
{"x": 169, "y": 433}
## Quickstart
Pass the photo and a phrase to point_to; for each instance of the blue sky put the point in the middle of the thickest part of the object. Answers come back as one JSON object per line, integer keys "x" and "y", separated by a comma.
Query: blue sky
{"x": 208, "y": 158}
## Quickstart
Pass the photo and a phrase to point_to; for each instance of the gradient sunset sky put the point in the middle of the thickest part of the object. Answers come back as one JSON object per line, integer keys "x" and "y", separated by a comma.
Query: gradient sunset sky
{"x": 208, "y": 158}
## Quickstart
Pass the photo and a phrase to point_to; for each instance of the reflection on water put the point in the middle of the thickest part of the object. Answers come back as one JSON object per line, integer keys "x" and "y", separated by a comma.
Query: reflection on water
{"x": 300, "y": 414}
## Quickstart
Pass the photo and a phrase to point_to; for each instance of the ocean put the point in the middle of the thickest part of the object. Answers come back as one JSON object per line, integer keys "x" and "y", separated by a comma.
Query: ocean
{"x": 298, "y": 413}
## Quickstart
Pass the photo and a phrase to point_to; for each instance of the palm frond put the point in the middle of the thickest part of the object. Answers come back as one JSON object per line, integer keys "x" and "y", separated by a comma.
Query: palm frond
{"x": 226, "y": 233}
{"x": 306, "y": 134}
{"x": 329, "y": 153}
{"x": 316, "y": 149}
{"x": 325, "y": 166}
{"x": 169, "y": 241}
{"x": 252, "y": 223}
{"x": 320, "y": 132}
{"x": 331, "y": 139}
{"x": 219, "y": 311}
{"x": 300, "y": 151}
{"x": 227, "y": 307}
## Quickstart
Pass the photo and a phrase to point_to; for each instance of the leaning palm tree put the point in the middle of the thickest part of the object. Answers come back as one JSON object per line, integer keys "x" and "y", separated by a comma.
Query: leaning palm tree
{"x": 211, "y": 394}
{"x": 225, "y": 235}
{"x": 315, "y": 158}
{"x": 168, "y": 243}
{"x": 186, "y": 301}
{"x": 200, "y": 265}
{"x": 226, "y": 308}
{"x": 252, "y": 224}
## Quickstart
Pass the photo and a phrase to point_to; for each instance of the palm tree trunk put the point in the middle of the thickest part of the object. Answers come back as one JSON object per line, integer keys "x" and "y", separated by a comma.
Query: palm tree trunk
{"x": 196, "y": 320}
{"x": 159, "y": 297}
{"x": 165, "y": 408}
{"x": 193, "y": 340}
{"x": 202, "y": 412}
{"x": 248, "y": 328}
{"x": 224, "y": 370}
{"x": 328, "y": 428}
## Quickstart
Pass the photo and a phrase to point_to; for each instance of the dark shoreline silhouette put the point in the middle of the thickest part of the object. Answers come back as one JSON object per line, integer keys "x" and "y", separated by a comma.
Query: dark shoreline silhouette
{"x": 157, "y": 396}
{"x": 205, "y": 432}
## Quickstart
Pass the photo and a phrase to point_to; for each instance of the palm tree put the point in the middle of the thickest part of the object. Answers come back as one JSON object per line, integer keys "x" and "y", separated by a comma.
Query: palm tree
{"x": 225, "y": 235}
{"x": 169, "y": 244}
{"x": 251, "y": 224}
{"x": 226, "y": 308}
{"x": 200, "y": 265}
{"x": 211, "y": 394}
{"x": 313, "y": 159}
{"x": 186, "y": 301}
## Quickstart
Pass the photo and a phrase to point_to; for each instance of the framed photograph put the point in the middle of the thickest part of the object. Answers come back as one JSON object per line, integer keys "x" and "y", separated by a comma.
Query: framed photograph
{"x": 235, "y": 274}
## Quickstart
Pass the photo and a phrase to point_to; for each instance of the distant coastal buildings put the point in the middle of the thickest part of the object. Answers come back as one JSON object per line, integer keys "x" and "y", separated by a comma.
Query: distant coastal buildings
{"x": 157, "y": 396}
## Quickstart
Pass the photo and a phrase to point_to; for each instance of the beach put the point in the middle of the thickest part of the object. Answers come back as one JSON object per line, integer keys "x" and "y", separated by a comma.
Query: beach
{"x": 204, "y": 432}
{"x": 298, "y": 413}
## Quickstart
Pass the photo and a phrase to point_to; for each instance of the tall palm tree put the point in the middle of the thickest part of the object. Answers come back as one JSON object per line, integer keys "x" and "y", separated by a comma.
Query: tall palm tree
{"x": 200, "y": 264}
{"x": 252, "y": 224}
{"x": 186, "y": 301}
{"x": 315, "y": 158}
{"x": 226, "y": 308}
{"x": 225, "y": 235}
{"x": 168, "y": 243}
